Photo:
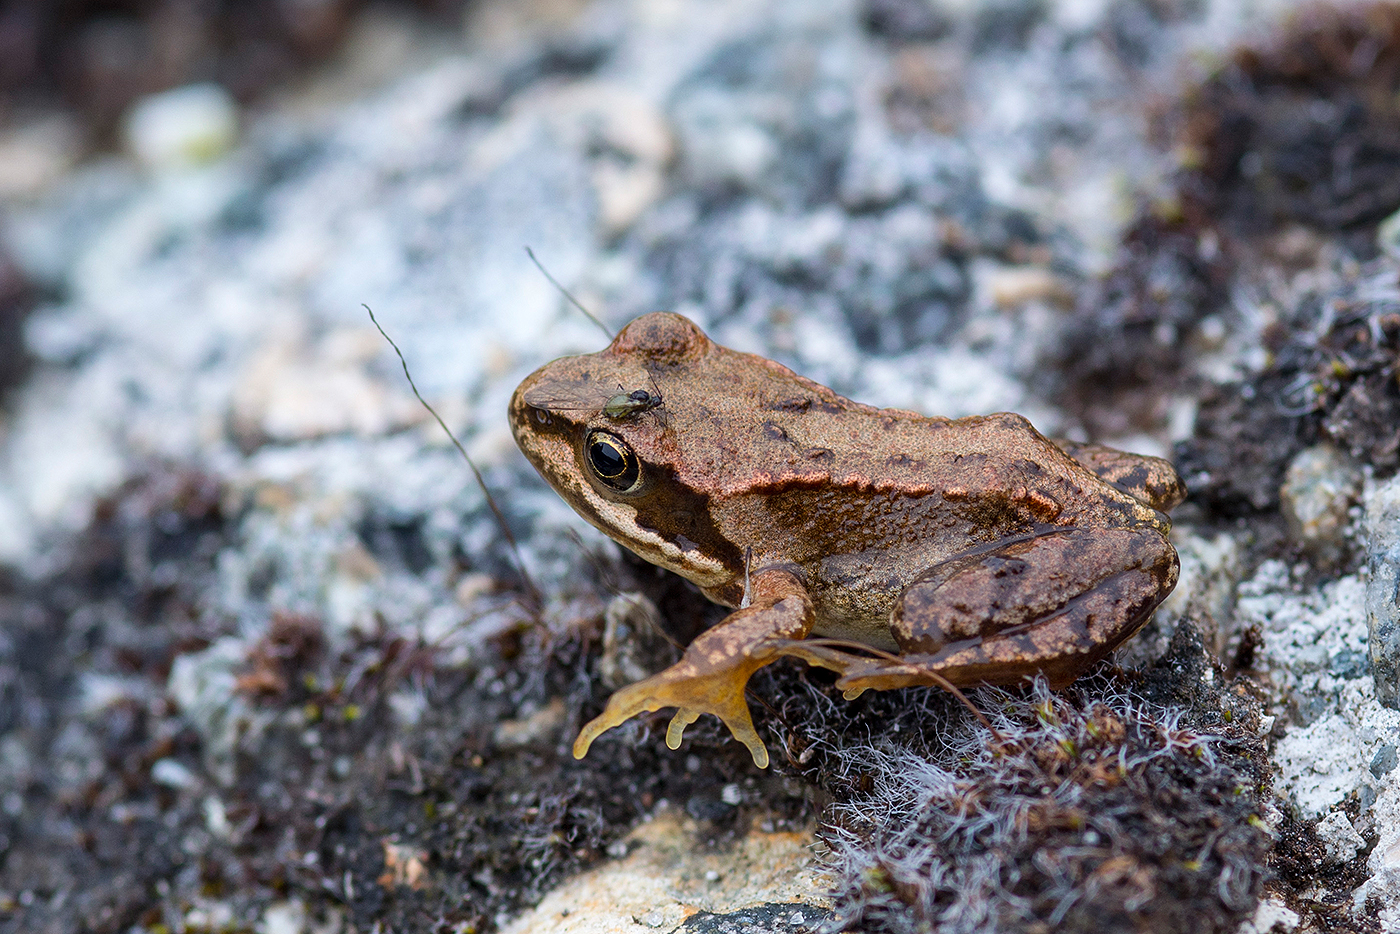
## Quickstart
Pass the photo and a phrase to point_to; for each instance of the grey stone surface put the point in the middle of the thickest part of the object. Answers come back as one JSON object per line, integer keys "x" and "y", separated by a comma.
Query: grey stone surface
{"x": 1383, "y": 589}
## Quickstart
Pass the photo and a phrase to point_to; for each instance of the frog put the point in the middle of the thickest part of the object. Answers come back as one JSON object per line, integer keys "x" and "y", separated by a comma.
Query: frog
{"x": 893, "y": 548}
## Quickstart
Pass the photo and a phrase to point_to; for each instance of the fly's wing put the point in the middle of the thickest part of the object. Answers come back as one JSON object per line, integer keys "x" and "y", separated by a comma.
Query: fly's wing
{"x": 616, "y": 406}
{"x": 567, "y": 401}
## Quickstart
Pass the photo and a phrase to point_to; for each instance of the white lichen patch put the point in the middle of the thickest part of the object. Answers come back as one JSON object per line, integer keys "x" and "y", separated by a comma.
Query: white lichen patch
{"x": 1307, "y": 635}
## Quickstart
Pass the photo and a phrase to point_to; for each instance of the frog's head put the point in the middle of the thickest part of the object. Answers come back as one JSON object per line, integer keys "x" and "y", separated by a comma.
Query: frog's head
{"x": 599, "y": 429}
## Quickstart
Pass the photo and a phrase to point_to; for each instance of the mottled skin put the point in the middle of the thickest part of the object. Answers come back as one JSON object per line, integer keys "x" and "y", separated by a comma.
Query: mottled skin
{"x": 973, "y": 550}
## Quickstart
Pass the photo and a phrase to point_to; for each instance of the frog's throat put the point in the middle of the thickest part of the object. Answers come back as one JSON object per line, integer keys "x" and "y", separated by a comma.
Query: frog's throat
{"x": 619, "y": 522}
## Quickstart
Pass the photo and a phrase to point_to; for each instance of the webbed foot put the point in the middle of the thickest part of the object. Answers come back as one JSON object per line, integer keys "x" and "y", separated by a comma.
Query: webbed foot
{"x": 694, "y": 693}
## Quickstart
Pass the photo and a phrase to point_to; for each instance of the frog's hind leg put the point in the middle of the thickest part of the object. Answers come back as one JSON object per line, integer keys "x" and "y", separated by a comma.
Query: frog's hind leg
{"x": 1051, "y": 605}
{"x": 1150, "y": 480}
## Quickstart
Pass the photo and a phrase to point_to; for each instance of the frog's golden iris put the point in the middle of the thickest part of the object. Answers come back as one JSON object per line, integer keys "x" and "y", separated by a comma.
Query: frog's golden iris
{"x": 612, "y": 461}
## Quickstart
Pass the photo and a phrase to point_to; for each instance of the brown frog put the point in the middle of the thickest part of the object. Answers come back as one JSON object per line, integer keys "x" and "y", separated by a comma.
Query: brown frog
{"x": 925, "y": 550}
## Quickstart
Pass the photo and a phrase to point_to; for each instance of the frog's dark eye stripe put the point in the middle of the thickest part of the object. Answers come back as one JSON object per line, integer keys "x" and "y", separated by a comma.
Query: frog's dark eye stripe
{"x": 612, "y": 461}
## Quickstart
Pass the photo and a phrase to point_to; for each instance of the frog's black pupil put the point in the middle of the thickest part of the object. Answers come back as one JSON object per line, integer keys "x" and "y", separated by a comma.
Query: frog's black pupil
{"x": 613, "y": 461}
{"x": 607, "y": 459}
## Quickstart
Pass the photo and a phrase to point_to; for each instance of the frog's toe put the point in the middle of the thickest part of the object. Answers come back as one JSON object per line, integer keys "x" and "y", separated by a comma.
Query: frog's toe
{"x": 676, "y": 731}
{"x": 622, "y": 706}
{"x": 859, "y": 673}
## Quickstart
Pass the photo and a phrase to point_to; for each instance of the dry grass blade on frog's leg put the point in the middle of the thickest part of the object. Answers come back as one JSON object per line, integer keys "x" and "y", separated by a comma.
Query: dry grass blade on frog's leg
{"x": 532, "y": 592}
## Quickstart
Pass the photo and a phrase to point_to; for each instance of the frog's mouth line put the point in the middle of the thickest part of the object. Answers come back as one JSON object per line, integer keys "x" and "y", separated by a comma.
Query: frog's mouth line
{"x": 620, "y": 521}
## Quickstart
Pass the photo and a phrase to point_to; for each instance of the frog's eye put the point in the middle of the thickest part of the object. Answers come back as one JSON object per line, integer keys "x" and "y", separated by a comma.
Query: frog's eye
{"x": 612, "y": 461}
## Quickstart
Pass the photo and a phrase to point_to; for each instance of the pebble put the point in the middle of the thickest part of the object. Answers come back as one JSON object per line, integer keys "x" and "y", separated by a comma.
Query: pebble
{"x": 538, "y": 726}
{"x": 632, "y": 633}
{"x": 1383, "y": 589}
{"x": 287, "y": 917}
{"x": 35, "y": 155}
{"x": 1272, "y": 916}
{"x": 1013, "y": 286}
{"x": 291, "y": 392}
{"x": 172, "y": 774}
{"x": 181, "y": 128}
{"x": 1384, "y": 761}
{"x": 1318, "y": 489}
{"x": 1339, "y": 838}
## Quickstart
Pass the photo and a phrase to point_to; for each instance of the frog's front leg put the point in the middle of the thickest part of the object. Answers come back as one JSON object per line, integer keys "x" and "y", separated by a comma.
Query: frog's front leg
{"x": 710, "y": 677}
{"x": 1053, "y": 604}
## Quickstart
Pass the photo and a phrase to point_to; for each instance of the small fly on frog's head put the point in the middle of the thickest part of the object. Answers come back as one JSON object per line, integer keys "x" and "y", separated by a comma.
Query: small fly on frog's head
{"x": 631, "y": 403}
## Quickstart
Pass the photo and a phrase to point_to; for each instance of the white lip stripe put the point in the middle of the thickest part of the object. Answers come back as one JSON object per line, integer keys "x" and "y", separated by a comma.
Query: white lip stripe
{"x": 619, "y": 520}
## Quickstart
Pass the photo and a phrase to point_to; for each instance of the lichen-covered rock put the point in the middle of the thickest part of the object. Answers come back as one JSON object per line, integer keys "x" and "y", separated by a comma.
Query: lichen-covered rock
{"x": 664, "y": 876}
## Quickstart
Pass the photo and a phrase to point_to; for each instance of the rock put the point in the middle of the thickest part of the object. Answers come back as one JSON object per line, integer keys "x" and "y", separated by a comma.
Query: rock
{"x": 1384, "y": 761}
{"x": 35, "y": 155}
{"x": 1319, "y": 487}
{"x": 1339, "y": 838}
{"x": 173, "y": 774}
{"x": 760, "y": 919}
{"x": 1013, "y": 286}
{"x": 630, "y": 144}
{"x": 538, "y": 727}
{"x": 632, "y": 639}
{"x": 288, "y": 917}
{"x": 1380, "y": 894}
{"x": 294, "y": 392}
{"x": 1271, "y": 917}
{"x": 183, "y": 127}
{"x": 669, "y": 876}
{"x": 1205, "y": 591}
{"x": 204, "y": 685}
{"x": 1383, "y": 589}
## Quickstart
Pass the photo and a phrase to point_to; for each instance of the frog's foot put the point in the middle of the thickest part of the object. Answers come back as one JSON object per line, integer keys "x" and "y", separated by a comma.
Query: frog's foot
{"x": 859, "y": 672}
{"x": 693, "y": 692}
{"x": 710, "y": 678}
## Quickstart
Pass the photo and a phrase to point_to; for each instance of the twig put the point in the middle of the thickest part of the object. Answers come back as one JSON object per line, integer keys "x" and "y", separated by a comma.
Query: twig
{"x": 565, "y": 292}
{"x": 532, "y": 591}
